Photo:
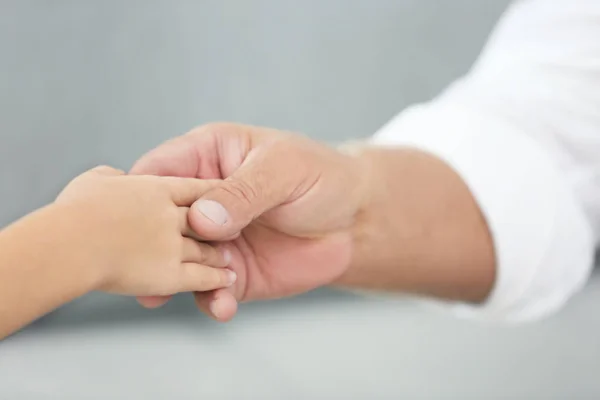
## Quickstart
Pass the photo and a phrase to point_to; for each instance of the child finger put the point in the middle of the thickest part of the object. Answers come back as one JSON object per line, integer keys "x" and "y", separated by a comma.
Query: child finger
{"x": 204, "y": 253}
{"x": 200, "y": 278}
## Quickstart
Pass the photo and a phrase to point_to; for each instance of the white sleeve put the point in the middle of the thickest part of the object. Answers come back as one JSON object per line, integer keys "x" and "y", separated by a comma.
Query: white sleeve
{"x": 522, "y": 129}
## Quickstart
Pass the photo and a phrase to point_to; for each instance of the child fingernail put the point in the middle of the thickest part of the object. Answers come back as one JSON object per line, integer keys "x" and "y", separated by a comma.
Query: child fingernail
{"x": 227, "y": 256}
{"x": 232, "y": 277}
{"x": 213, "y": 306}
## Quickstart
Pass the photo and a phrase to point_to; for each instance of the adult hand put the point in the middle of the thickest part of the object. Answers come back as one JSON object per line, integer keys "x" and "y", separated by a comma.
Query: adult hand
{"x": 286, "y": 209}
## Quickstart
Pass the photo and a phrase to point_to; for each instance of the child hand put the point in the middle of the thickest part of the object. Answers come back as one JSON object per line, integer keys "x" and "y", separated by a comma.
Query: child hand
{"x": 134, "y": 230}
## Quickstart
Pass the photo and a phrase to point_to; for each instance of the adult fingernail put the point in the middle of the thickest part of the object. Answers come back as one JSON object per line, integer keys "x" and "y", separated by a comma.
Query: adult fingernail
{"x": 213, "y": 210}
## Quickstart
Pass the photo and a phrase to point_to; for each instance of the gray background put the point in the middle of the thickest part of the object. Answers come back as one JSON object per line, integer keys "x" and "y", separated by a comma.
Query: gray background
{"x": 90, "y": 82}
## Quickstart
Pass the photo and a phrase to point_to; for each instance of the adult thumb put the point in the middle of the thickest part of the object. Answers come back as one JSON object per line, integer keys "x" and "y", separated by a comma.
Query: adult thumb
{"x": 265, "y": 180}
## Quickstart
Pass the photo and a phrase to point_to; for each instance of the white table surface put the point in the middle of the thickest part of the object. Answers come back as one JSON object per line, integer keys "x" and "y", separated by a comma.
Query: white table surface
{"x": 322, "y": 346}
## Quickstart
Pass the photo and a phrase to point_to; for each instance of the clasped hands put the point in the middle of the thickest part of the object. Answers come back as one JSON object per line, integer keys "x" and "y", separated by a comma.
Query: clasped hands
{"x": 259, "y": 214}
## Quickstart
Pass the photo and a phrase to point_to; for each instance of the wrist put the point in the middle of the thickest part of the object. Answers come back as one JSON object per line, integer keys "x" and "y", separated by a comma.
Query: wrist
{"x": 81, "y": 236}
{"x": 419, "y": 229}
{"x": 362, "y": 230}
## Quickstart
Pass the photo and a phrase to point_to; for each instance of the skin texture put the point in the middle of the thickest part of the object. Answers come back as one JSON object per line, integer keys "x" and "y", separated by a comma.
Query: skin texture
{"x": 286, "y": 217}
{"x": 110, "y": 232}
{"x": 297, "y": 214}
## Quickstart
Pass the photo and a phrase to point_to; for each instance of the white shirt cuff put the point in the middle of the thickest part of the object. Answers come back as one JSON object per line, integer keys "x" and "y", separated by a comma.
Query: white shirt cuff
{"x": 544, "y": 246}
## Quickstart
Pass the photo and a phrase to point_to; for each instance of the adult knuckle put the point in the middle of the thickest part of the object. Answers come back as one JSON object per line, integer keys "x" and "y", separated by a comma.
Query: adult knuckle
{"x": 212, "y": 128}
{"x": 105, "y": 169}
{"x": 101, "y": 168}
{"x": 242, "y": 190}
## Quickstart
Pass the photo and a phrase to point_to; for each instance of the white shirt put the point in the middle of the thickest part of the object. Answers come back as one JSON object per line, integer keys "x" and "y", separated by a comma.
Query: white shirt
{"x": 522, "y": 129}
